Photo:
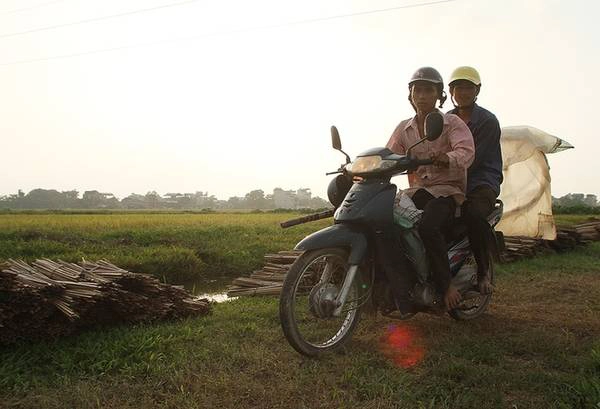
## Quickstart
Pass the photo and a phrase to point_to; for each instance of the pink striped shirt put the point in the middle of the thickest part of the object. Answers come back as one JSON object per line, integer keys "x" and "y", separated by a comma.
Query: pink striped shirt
{"x": 456, "y": 141}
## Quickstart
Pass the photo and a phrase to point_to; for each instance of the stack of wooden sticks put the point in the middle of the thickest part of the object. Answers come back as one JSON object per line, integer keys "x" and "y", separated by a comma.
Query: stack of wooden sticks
{"x": 269, "y": 279}
{"x": 45, "y": 299}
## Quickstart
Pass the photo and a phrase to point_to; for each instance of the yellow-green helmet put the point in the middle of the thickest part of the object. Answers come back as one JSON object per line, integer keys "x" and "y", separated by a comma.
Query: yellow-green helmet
{"x": 465, "y": 73}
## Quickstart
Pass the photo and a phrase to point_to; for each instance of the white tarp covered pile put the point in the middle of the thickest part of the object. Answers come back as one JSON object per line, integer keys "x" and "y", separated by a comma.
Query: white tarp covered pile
{"x": 526, "y": 187}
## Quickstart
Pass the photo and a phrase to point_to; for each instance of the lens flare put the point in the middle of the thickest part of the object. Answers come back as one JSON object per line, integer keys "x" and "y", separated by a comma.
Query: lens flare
{"x": 402, "y": 345}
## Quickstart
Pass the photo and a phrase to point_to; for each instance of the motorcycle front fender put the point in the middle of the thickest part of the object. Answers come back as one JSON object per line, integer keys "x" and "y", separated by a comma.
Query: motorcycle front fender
{"x": 338, "y": 235}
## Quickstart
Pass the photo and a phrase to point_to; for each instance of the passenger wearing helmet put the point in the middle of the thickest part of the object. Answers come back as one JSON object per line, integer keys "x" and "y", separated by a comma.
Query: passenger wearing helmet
{"x": 439, "y": 188}
{"x": 485, "y": 174}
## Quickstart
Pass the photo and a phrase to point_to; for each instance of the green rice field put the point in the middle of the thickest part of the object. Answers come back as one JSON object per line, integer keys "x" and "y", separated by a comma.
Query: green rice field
{"x": 203, "y": 251}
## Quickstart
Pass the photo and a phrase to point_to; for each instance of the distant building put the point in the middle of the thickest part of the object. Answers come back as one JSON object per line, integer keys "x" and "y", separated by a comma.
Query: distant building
{"x": 303, "y": 197}
{"x": 284, "y": 199}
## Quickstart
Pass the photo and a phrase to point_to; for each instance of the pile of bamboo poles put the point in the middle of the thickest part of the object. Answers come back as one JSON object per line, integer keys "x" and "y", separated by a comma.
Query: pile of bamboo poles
{"x": 584, "y": 232}
{"x": 46, "y": 299}
{"x": 269, "y": 280}
{"x": 517, "y": 247}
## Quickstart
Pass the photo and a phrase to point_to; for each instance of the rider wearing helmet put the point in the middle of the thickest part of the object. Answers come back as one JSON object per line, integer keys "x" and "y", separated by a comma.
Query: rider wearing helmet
{"x": 437, "y": 189}
{"x": 485, "y": 174}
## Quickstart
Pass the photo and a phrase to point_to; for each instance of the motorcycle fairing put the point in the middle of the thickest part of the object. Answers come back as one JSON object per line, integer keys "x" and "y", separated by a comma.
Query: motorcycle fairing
{"x": 338, "y": 235}
{"x": 368, "y": 202}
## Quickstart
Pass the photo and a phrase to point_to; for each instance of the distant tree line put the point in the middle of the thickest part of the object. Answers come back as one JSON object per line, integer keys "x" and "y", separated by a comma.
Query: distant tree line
{"x": 576, "y": 203}
{"x": 93, "y": 199}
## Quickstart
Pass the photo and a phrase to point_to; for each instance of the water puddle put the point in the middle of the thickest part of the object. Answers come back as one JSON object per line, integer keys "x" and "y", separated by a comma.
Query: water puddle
{"x": 216, "y": 297}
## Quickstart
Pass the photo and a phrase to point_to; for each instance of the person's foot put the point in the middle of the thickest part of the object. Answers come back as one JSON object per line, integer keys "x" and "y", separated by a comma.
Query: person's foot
{"x": 484, "y": 284}
{"x": 452, "y": 298}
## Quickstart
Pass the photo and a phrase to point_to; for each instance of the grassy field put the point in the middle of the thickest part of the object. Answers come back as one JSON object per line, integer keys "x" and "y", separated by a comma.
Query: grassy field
{"x": 537, "y": 347}
{"x": 571, "y": 219}
{"x": 207, "y": 249}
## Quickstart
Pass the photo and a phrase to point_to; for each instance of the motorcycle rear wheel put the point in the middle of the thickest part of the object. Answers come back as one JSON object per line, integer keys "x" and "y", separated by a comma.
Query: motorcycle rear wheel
{"x": 476, "y": 306}
{"x": 307, "y": 331}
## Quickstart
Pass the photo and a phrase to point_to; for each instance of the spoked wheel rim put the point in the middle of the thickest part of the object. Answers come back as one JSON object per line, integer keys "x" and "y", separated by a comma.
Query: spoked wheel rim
{"x": 475, "y": 304}
{"x": 314, "y": 323}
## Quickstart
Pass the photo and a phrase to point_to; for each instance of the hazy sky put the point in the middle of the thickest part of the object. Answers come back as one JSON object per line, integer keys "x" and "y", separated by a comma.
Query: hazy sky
{"x": 228, "y": 96}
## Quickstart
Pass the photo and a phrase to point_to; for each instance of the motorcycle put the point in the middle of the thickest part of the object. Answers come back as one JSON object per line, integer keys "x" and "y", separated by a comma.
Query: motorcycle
{"x": 346, "y": 266}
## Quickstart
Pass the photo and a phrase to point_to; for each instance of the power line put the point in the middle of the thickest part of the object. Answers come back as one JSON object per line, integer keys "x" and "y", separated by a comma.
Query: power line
{"x": 94, "y": 19}
{"x": 360, "y": 13}
{"x": 238, "y": 31}
{"x": 37, "y": 6}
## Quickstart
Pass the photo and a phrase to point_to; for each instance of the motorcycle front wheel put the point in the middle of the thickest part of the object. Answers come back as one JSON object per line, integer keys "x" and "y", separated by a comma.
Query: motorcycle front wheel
{"x": 306, "y": 307}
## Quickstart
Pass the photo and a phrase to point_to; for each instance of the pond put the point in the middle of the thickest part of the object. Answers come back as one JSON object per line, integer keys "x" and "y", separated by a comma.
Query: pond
{"x": 217, "y": 297}
{"x": 209, "y": 285}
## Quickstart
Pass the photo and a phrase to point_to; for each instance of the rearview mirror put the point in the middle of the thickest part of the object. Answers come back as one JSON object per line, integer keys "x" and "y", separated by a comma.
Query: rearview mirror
{"x": 337, "y": 143}
{"x": 434, "y": 125}
{"x": 335, "y": 139}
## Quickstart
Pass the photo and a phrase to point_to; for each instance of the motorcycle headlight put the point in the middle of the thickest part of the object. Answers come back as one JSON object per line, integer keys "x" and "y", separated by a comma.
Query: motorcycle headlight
{"x": 366, "y": 164}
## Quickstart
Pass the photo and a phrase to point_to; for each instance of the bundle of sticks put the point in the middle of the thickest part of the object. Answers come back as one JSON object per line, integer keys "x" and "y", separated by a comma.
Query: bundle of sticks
{"x": 518, "y": 247}
{"x": 584, "y": 232}
{"x": 46, "y": 299}
{"x": 269, "y": 279}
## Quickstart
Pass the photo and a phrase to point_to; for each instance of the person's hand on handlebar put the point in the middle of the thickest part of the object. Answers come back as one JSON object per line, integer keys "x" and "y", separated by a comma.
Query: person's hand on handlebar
{"x": 441, "y": 160}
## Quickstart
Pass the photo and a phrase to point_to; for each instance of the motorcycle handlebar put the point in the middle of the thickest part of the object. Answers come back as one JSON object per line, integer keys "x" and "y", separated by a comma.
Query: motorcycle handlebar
{"x": 305, "y": 219}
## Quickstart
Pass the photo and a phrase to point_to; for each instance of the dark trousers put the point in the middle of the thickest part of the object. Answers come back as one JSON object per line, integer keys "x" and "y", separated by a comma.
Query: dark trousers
{"x": 396, "y": 266}
{"x": 478, "y": 206}
{"x": 437, "y": 214}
